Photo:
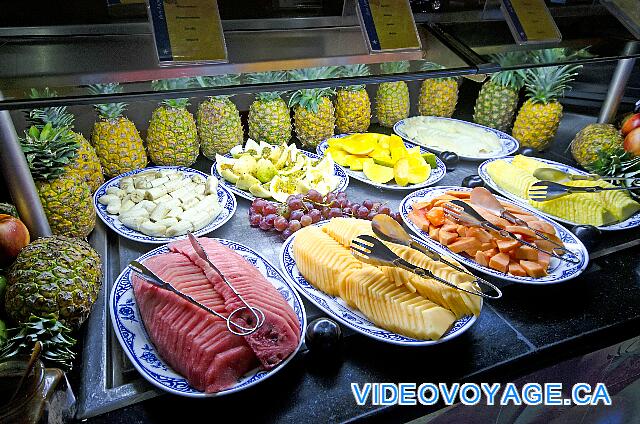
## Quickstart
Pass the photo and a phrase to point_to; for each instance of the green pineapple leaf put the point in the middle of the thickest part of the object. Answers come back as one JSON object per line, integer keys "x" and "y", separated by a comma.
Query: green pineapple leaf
{"x": 309, "y": 98}
{"x": 108, "y": 111}
{"x": 49, "y": 151}
{"x": 267, "y": 78}
{"x": 399, "y": 67}
{"x": 173, "y": 84}
{"x": 350, "y": 71}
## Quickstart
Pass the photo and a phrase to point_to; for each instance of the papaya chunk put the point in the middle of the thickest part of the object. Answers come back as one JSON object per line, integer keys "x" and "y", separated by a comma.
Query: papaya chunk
{"x": 446, "y": 238}
{"x": 516, "y": 269}
{"x": 544, "y": 259}
{"x": 479, "y": 233}
{"x": 507, "y": 246}
{"x": 527, "y": 253}
{"x": 436, "y": 216}
{"x": 533, "y": 269}
{"x": 542, "y": 226}
{"x": 499, "y": 262}
{"x": 516, "y": 229}
{"x": 418, "y": 217}
{"x": 433, "y": 232}
{"x": 481, "y": 258}
{"x": 464, "y": 244}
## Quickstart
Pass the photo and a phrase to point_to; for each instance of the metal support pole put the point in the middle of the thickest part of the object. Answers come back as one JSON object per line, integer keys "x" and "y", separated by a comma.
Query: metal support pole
{"x": 617, "y": 87}
{"x": 18, "y": 178}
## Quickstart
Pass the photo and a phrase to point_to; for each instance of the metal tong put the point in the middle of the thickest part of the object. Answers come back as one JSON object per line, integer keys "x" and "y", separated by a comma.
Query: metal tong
{"x": 543, "y": 191}
{"x": 372, "y": 251}
{"x": 465, "y": 213}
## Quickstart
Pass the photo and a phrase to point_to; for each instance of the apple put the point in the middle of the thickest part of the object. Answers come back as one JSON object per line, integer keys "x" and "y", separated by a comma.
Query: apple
{"x": 13, "y": 237}
{"x": 630, "y": 124}
{"x": 632, "y": 142}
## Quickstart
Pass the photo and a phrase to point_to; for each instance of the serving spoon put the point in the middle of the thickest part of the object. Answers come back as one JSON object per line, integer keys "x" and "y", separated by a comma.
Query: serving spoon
{"x": 555, "y": 175}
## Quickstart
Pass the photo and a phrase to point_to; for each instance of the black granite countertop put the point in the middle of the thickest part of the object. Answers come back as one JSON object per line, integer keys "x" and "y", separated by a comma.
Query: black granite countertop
{"x": 530, "y": 327}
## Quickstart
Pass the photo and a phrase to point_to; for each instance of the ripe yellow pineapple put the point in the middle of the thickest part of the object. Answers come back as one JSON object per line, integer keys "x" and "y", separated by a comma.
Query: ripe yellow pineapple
{"x": 115, "y": 138}
{"x": 172, "y": 137}
{"x": 269, "y": 115}
{"x": 313, "y": 112}
{"x": 438, "y": 96}
{"x": 392, "y": 98}
{"x": 353, "y": 107}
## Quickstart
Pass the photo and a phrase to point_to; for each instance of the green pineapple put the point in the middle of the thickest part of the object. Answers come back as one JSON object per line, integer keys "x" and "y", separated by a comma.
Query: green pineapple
{"x": 498, "y": 98}
{"x": 353, "y": 107}
{"x": 115, "y": 138}
{"x": 172, "y": 137}
{"x": 219, "y": 125}
{"x": 313, "y": 112}
{"x": 86, "y": 164}
{"x": 438, "y": 96}
{"x": 65, "y": 196}
{"x": 269, "y": 115}
{"x": 392, "y": 98}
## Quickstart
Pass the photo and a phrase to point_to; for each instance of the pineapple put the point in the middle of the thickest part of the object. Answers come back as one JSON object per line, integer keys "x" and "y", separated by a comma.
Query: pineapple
{"x": 115, "y": 138}
{"x": 172, "y": 137}
{"x": 353, "y": 107}
{"x": 593, "y": 141}
{"x": 86, "y": 163}
{"x": 65, "y": 196}
{"x": 538, "y": 119}
{"x": 313, "y": 112}
{"x": 392, "y": 98}
{"x": 438, "y": 96}
{"x": 269, "y": 116}
{"x": 498, "y": 98}
{"x": 219, "y": 125}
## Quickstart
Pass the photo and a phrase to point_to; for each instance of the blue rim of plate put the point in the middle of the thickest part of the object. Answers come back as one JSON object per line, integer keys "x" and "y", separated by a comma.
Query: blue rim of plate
{"x": 136, "y": 343}
{"x": 509, "y": 144}
{"x": 632, "y": 222}
{"x": 226, "y": 199}
{"x": 338, "y": 309}
{"x": 436, "y": 174}
{"x": 560, "y": 271}
{"x": 337, "y": 171}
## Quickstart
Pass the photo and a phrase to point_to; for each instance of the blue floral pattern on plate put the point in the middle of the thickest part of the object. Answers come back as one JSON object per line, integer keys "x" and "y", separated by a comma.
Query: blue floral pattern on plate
{"x": 631, "y": 222}
{"x": 436, "y": 174}
{"x": 225, "y": 198}
{"x": 337, "y": 171}
{"x": 558, "y": 272}
{"x": 138, "y": 347}
{"x": 508, "y": 144}
{"x": 338, "y": 309}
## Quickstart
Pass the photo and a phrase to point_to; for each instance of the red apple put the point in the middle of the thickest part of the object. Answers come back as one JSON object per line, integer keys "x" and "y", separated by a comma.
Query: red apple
{"x": 630, "y": 124}
{"x": 632, "y": 142}
{"x": 13, "y": 237}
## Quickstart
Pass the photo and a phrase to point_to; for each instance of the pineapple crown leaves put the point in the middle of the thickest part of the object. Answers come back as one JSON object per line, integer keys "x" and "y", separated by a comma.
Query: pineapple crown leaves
{"x": 55, "y": 338}
{"x": 267, "y": 78}
{"x": 618, "y": 163}
{"x": 511, "y": 78}
{"x": 49, "y": 151}
{"x": 559, "y": 54}
{"x": 58, "y": 116}
{"x": 432, "y": 66}
{"x": 350, "y": 71}
{"x": 224, "y": 80}
{"x": 547, "y": 84}
{"x": 309, "y": 98}
{"x": 395, "y": 67}
{"x": 109, "y": 111}
{"x": 173, "y": 84}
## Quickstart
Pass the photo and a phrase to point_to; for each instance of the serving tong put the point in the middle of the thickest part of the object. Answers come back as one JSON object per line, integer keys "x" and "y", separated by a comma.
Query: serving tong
{"x": 464, "y": 213}
{"x": 542, "y": 191}
{"x": 373, "y": 251}
{"x": 151, "y": 277}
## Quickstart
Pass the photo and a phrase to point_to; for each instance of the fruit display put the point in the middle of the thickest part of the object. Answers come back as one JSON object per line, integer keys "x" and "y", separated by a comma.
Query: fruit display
{"x": 218, "y": 119}
{"x": 303, "y": 210}
{"x": 163, "y": 203}
{"x": 353, "y": 107}
{"x": 13, "y": 237}
{"x": 392, "y": 98}
{"x": 276, "y": 172}
{"x": 116, "y": 139}
{"x": 269, "y": 115}
{"x": 382, "y": 158}
{"x": 592, "y": 139}
{"x": 57, "y": 343}
{"x": 54, "y": 275}
{"x": 394, "y": 299}
{"x": 438, "y": 96}
{"x": 215, "y": 358}
{"x": 313, "y": 112}
{"x": 488, "y": 249}
{"x": 539, "y": 117}
{"x": 596, "y": 209}
{"x": 497, "y": 101}
{"x": 172, "y": 137}
{"x": 65, "y": 196}
{"x": 86, "y": 164}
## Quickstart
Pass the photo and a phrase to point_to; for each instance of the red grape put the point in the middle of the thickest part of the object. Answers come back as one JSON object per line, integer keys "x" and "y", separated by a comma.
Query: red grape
{"x": 296, "y": 215}
{"x": 296, "y": 204}
{"x": 285, "y": 234}
{"x": 306, "y": 220}
{"x": 371, "y": 215}
{"x": 325, "y": 212}
{"x": 269, "y": 208}
{"x": 294, "y": 225}
{"x": 280, "y": 223}
{"x": 384, "y": 209}
{"x": 315, "y": 215}
{"x": 264, "y": 225}
{"x": 363, "y": 212}
{"x": 258, "y": 204}
{"x": 335, "y": 212}
{"x": 314, "y": 196}
{"x": 254, "y": 220}
{"x": 367, "y": 204}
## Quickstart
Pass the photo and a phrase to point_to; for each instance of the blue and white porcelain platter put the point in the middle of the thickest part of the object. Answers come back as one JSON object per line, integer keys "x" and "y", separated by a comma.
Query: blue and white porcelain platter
{"x": 133, "y": 337}
{"x": 558, "y": 271}
{"x": 225, "y": 198}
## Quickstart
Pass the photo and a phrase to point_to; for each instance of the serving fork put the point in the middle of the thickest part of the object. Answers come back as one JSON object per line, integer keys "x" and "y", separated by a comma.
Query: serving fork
{"x": 542, "y": 191}
{"x": 373, "y": 251}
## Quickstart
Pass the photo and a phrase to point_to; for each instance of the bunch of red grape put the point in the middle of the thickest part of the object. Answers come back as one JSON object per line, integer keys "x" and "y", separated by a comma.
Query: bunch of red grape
{"x": 303, "y": 210}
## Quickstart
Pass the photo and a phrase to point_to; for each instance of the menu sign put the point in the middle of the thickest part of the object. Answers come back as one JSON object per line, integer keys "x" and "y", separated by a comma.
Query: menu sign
{"x": 627, "y": 12}
{"x": 530, "y": 21}
{"x": 388, "y": 25}
{"x": 187, "y": 31}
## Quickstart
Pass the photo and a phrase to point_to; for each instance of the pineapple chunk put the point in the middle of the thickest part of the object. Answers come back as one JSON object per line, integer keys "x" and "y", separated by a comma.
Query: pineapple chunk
{"x": 510, "y": 177}
{"x": 619, "y": 203}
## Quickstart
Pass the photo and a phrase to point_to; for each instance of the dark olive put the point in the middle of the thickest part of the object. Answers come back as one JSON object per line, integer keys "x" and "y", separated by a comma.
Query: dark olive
{"x": 324, "y": 335}
{"x": 472, "y": 181}
{"x": 588, "y": 235}
{"x": 527, "y": 151}
{"x": 450, "y": 159}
